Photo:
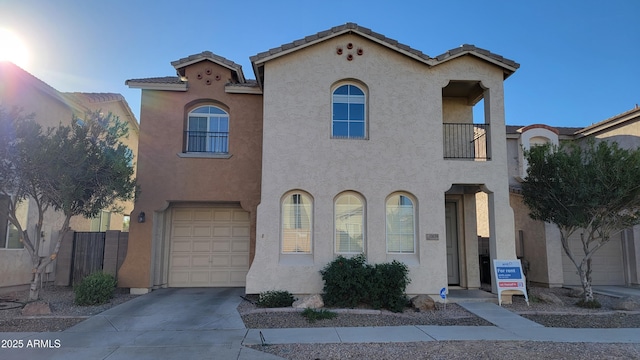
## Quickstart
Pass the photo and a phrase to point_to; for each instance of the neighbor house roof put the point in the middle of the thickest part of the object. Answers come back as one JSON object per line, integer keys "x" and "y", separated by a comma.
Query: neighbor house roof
{"x": 11, "y": 73}
{"x": 181, "y": 64}
{"x": 620, "y": 119}
{"x": 85, "y": 99}
{"x": 509, "y": 66}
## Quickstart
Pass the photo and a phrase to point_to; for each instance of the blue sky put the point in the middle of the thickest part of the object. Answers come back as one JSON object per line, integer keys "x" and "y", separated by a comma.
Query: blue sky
{"x": 580, "y": 59}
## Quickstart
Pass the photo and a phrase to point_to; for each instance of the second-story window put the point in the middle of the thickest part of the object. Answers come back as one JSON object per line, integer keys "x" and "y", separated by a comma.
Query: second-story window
{"x": 348, "y": 107}
{"x": 208, "y": 130}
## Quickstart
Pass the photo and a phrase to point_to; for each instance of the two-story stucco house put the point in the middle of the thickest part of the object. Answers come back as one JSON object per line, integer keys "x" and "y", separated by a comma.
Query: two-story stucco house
{"x": 50, "y": 107}
{"x": 347, "y": 142}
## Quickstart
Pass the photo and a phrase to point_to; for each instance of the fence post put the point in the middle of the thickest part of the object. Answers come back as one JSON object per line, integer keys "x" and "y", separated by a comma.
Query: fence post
{"x": 110, "y": 262}
{"x": 64, "y": 260}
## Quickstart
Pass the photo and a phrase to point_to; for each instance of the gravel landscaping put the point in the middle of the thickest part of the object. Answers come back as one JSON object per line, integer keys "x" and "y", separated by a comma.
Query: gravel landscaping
{"x": 64, "y": 313}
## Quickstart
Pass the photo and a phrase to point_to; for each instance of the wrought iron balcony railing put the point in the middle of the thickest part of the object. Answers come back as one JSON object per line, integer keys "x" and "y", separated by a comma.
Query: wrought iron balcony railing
{"x": 466, "y": 141}
{"x": 203, "y": 141}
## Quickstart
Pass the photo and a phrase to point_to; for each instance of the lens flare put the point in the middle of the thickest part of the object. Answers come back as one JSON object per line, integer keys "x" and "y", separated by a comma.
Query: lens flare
{"x": 13, "y": 49}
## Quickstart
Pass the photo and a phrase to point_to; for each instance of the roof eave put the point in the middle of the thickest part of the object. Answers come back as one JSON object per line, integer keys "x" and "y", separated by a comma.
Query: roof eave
{"x": 156, "y": 86}
{"x": 507, "y": 69}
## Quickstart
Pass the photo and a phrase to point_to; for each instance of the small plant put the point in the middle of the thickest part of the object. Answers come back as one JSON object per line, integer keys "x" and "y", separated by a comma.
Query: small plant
{"x": 275, "y": 299}
{"x": 313, "y": 315}
{"x": 591, "y": 304}
{"x": 95, "y": 289}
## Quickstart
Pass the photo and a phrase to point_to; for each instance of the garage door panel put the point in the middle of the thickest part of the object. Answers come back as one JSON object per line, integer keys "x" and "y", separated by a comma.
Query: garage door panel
{"x": 222, "y": 215}
{"x": 181, "y": 246}
{"x": 181, "y": 230}
{"x": 606, "y": 263}
{"x": 209, "y": 247}
{"x": 241, "y": 216}
{"x": 181, "y": 261}
{"x": 222, "y": 231}
{"x": 179, "y": 278}
{"x": 202, "y": 231}
{"x": 239, "y": 261}
{"x": 220, "y": 277}
{"x": 200, "y": 261}
{"x": 202, "y": 214}
{"x": 240, "y": 246}
{"x": 220, "y": 261}
{"x": 240, "y": 231}
{"x": 199, "y": 278}
{"x": 182, "y": 215}
{"x": 201, "y": 246}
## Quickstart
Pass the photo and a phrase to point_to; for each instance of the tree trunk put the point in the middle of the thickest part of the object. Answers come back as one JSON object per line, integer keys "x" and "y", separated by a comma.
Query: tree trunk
{"x": 34, "y": 289}
{"x": 585, "y": 279}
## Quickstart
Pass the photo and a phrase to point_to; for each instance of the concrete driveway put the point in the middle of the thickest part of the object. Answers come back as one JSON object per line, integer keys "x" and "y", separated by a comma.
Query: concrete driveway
{"x": 176, "y": 323}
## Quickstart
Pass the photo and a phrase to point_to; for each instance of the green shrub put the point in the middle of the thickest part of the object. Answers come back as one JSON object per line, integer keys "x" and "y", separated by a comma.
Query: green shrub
{"x": 345, "y": 281}
{"x": 275, "y": 299}
{"x": 593, "y": 304}
{"x": 387, "y": 286}
{"x": 313, "y": 315}
{"x": 95, "y": 289}
{"x": 349, "y": 282}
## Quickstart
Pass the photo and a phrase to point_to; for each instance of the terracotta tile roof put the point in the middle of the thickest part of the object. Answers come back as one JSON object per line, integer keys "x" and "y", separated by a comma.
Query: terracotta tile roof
{"x": 95, "y": 97}
{"x": 337, "y": 30}
{"x": 562, "y": 131}
{"x": 157, "y": 80}
{"x": 180, "y": 64}
{"x": 257, "y": 61}
{"x": 467, "y": 48}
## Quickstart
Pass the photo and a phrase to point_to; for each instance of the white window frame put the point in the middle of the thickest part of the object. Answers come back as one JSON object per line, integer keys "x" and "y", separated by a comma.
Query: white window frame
{"x": 413, "y": 219}
{"x": 212, "y": 143}
{"x": 303, "y": 238}
{"x": 349, "y": 226}
{"x": 349, "y": 99}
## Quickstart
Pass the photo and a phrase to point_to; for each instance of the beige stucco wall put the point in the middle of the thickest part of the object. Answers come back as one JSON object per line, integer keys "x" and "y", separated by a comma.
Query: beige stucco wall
{"x": 403, "y": 153}
{"x": 165, "y": 178}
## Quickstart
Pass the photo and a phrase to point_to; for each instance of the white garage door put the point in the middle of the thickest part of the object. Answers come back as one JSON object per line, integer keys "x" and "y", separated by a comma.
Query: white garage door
{"x": 607, "y": 263}
{"x": 209, "y": 247}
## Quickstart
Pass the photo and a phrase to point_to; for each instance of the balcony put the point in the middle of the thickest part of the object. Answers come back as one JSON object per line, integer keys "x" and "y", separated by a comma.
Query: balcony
{"x": 466, "y": 141}
{"x": 203, "y": 141}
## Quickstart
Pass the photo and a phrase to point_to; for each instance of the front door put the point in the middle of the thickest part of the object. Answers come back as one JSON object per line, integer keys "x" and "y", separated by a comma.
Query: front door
{"x": 451, "y": 214}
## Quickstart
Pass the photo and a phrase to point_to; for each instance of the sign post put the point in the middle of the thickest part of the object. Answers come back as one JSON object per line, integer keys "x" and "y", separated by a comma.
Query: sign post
{"x": 509, "y": 276}
{"x": 443, "y": 295}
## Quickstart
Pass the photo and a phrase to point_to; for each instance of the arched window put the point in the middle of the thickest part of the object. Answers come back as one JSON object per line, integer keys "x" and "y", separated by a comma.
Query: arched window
{"x": 208, "y": 130}
{"x": 297, "y": 216}
{"x": 348, "y": 108}
{"x": 349, "y": 223}
{"x": 401, "y": 229}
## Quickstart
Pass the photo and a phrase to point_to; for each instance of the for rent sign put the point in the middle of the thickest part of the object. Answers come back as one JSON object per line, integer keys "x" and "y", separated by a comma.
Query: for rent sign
{"x": 509, "y": 276}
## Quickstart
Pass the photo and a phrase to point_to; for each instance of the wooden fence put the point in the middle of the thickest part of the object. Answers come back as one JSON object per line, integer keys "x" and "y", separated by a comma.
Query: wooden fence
{"x": 83, "y": 253}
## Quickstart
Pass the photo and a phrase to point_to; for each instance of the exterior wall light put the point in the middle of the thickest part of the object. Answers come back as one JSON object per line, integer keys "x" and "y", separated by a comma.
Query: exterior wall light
{"x": 141, "y": 217}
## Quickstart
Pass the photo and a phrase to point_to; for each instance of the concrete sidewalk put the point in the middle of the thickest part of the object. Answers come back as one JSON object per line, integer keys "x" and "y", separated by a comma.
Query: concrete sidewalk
{"x": 508, "y": 326}
{"x": 204, "y": 324}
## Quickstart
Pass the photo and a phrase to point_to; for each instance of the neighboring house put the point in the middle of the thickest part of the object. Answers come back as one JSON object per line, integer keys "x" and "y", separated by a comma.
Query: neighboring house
{"x": 350, "y": 142}
{"x": 20, "y": 89}
{"x": 616, "y": 263}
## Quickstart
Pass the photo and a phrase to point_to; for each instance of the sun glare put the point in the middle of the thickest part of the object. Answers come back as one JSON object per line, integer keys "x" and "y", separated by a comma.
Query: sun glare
{"x": 13, "y": 49}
